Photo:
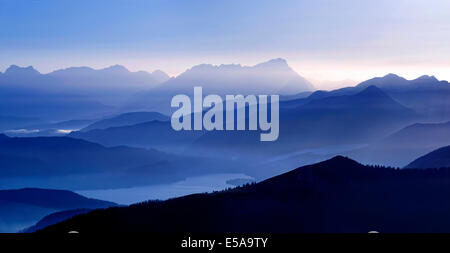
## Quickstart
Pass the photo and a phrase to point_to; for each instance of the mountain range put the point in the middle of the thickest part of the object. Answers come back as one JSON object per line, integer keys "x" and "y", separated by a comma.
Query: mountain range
{"x": 426, "y": 95}
{"x": 333, "y": 120}
{"x": 324, "y": 123}
{"x": 76, "y": 91}
{"x": 271, "y": 77}
{"x": 346, "y": 119}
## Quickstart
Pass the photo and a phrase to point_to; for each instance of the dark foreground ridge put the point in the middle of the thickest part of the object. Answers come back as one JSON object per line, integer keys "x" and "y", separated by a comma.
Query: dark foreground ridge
{"x": 337, "y": 195}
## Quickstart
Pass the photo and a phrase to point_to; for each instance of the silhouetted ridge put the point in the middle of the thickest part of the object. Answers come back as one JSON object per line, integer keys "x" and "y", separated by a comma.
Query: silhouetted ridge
{"x": 337, "y": 195}
{"x": 336, "y": 169}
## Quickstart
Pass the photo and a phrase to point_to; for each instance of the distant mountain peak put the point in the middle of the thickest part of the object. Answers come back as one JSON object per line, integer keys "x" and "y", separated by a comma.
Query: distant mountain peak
{"x": 392, "y": 75}
{"x": 389, "y": 80}
{"x": 14, "y": 69}
{"x": 427, "y": 79}
{"x": 159, "y": 72}
{"x": 278, "y": 62}
{"x": 116, "y": 68}
{"x": 392, "y": 78}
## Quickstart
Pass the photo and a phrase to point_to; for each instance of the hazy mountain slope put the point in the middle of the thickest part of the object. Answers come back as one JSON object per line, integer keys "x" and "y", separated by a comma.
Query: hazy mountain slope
{"x": 126, "y": 119}
{"x": 63, "y": 156}
{"x": 405, "y": 145}
{"x": 337, "y": 195}
{"x": 357, "y": 118}
{"x": 426, "y": 95}
{"x": 60, "y": 128}
{"x": 64, "y": 162}
{"x": 12, "y": 122}
{"x": 156, "y": 134}
{"x": 24, "y": 207}
{"x": 271, "y": 77}
{"x": 338, "y": 120}
{"x": 438, "y": 158}
{"x": 54, "y": 199}
{"x": 54, "y": 218}
{"x": 113, "y": 77}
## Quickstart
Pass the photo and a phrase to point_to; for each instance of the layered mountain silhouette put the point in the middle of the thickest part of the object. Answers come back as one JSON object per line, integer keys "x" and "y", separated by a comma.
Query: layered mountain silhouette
{"x": 271, "y": 77}
{"x": 113, "y": 77}
{"x": 401, "y": 147}
{"x": 64, "y": 162}
{"x": 347, "y": 119}
{"x": 24, "y": 207}
{"x": 426, "y": 95}
{"x": 46, "y": 156}
{"x": 337, "y": 195}
{"x": 152, "y": 134}
{"x": 77, "y": 91}
{"x": 126, "y": 119}
{"x": 45, "y": 129}
{"x": 336, "y": 120}
{"x": 79, "y": 78}
{"x": 439, "y": 158}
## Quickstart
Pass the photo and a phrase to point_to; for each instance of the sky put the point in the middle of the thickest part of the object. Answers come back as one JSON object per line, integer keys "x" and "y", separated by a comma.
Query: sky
{"x": 323, "y": 40}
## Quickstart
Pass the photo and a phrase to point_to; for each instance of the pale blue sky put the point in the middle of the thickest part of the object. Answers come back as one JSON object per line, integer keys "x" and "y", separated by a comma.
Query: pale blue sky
{"x": 322, "y": 40}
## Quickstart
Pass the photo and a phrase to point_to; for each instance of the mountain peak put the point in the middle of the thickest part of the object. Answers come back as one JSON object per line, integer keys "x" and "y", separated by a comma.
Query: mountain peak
{"x": 391, "y": 75}
{"x": 160, "y": 75}
{"x": 427, "y": 79}
{"x": 372, "y": 91}
{"x": 14, "y": 69}
{"x": 392, "y": 78}
{"x": 389, "y": 80}
{"x": 342, "y": 160}
{"x": 278, "y": 62}
{"x": 116, "y": 68}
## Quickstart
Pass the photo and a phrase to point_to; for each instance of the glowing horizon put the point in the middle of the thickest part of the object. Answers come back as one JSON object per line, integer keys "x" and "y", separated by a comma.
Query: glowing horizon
{"x": 324, "y": 41}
